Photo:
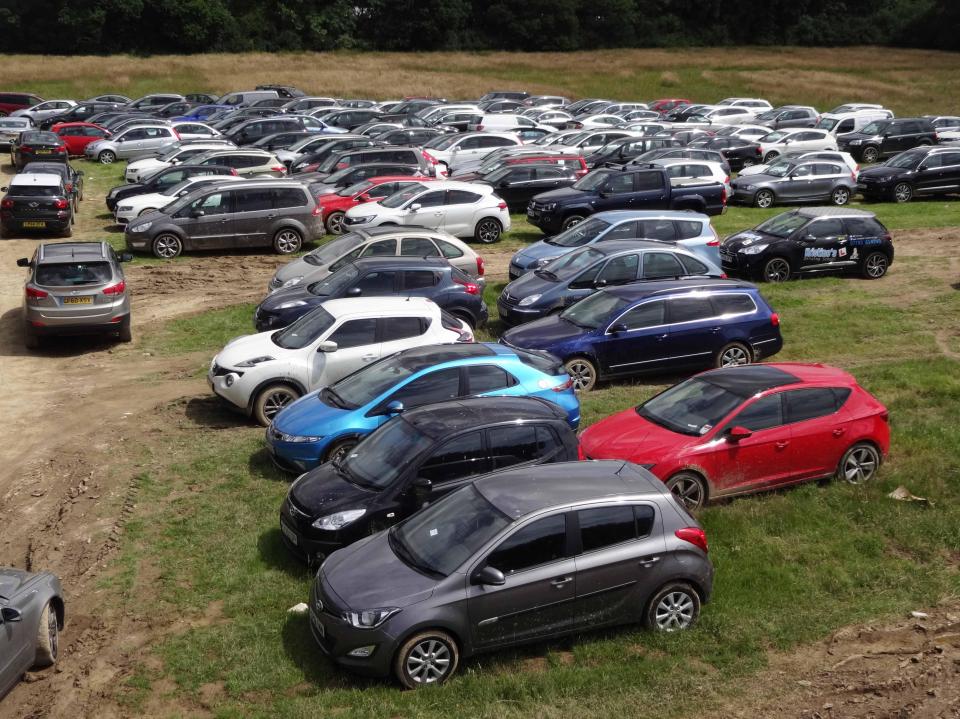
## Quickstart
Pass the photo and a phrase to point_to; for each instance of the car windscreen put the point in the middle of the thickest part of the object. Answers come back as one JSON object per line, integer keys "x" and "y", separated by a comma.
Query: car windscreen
{"x": 593, "y": 180}
{"x": 304, "y": 330}
{"x": 335, "y": 283}
{"x": 383, "y": 456}
{"x": 580, "y": 234}
{"x": 442, "y": 142}
{"x": 780, "y": 169}
{"x": 361, "y": 387}
{"x": 397, "y": 199}
{"x": 332, "y": 250}
{"x": 693, "y": 407}
{"x": 874, "y": 128}
{"x": 774, "y": 136}
{"x": 71, "y": 274}
{"x": 906, "y": 160}
{"x": 783, "y": 225}
{"x": 355, "y": 189}
{"x": 594, "y": 311}
{"x": 572, "y": 263}
{"x": 443, "y": 536}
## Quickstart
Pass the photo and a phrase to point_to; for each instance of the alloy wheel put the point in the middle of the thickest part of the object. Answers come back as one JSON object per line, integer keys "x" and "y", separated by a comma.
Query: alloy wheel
{"x": 903, "y": 192}
{"x": 287, "y": 242}
{"x": 688, "y": 491}
{"x": 166, "y": 247}
{"x": 764, "y": 199}
{"x": 734, "y": 356}
{"x": 674, "y": 612}
{"x": 860, "y": 465}
{"x": 777, "y": 270}
{"x": 53, "y": 632}
{"x": 428, "y": 662}
{"x": 876, "y": 266}
{"x": 276, "y": 401}
{"x": 488, "y": 231}
{"x": 582, "y": 375}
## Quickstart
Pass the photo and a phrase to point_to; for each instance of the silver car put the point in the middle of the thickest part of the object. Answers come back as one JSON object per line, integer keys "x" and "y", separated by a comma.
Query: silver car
{"x": 131, "y": 141}
{"x": 10, "y": 129}
{"x": 43, "y": 110}
{"x": 797, "y": 181}
{"x": 75, "y": 288}
{"x": 31, "y": 617}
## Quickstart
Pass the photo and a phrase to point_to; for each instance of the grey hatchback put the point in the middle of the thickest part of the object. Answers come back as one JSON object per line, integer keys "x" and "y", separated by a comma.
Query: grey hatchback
{"x": 31, "y": 617}
{"x": 75, "y": 288}
{"x": 797, "y": 181}
{"x": 517, "y": 556}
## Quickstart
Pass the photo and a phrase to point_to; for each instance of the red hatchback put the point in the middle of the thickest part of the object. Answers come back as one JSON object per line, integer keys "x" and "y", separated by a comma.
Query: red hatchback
{"x": 77, "y": 135}
{"x": 332, "y": 207}
{"x": 747, "y": 429}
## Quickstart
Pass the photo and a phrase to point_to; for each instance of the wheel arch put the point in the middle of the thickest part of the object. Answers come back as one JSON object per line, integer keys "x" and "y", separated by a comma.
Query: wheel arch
{"x": 443, "y": 625}
{"x": 700, "y": 472}
{"x": 289, "y": 381}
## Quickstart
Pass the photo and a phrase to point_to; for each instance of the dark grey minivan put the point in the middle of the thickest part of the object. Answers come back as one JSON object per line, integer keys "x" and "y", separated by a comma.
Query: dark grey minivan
{"x": 517, "y": 556}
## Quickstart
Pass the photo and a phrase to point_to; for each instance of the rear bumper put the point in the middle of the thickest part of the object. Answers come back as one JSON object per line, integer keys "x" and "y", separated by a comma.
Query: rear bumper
{"x": 78, "y": 328}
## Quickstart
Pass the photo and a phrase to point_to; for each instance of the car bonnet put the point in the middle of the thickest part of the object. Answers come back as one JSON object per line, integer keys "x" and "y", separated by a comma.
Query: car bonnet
{"x": 310, "y": 416}
{"x": 542, "y": 333}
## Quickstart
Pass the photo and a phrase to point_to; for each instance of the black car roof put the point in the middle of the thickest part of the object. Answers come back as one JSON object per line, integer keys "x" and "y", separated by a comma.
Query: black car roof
{"x": 519, "y": 492}
{"x": 746, "y": 381}
{"x": 640, "y": 290}
{"x": 445, "y": 418}
{"x": 418, "y": 358}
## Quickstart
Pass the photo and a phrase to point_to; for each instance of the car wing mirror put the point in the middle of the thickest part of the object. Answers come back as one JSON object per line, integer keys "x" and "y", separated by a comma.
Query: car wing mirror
{"x": 197, "y": 214}
{"x": 618, "y": 327}
{"x": 736, "y": 433}
{"x": 422, "y": 487}
{"x": 3, "y": 189}
{"x": 354, "y": 292}
{"x": 415, "y": 207}
{"x": 327, "y": 346}
{"x": 488, "y": 575}
{"x": 9, "y": 614}
{"x": 394, "y": 407}
{"x": 23, "y": 262}
{"x": 126, "y": 257}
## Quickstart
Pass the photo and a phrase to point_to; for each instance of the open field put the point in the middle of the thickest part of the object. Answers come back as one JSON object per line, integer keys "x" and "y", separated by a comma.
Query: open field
{"x": 158, "y": 506}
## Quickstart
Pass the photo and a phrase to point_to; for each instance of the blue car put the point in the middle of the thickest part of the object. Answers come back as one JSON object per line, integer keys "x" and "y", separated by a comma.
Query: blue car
{"x": 324, "y": 426}
{"x": 202, "y": 112}
{"x": 651, "y": 327}
{"x": 690, "y": 230}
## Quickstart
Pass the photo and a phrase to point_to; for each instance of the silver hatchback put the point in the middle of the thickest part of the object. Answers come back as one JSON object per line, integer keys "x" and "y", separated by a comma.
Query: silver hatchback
{"x": 797, "y": 181}
{"x": 75, "y": 288}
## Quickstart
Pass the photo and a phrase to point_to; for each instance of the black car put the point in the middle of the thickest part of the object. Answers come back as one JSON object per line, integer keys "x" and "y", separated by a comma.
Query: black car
{"x": 737, "y": 151}
{"x": 452, "y": 289}
{"x": 413, "y": 136}
{"x": 36, "y": 202}
{"x": 201, "y": 98}
{"x": 72, "y": 178}
{"x": 920, "y": 171}
{"x": 414, "y": 459}
{"x": 312, "y": 161}
{"x": 162, "y": 180}
{"x": 882, "y": 138}
{"x": 281, "y": 140}
{"x": 174, "y": 109}
{"x": 351, "y": 118}
{"x": 287, "y": 91}
{"x": 78, "y": 113}
{"x": 391, "y": 154}
{"x": 624, "y": 149}
{"x": 517, "y": 184}
{"x": 252, "y": 130}
{"x": 351, "y": 175}
{"x": 810, "y": 241}
{"x": 33, "y": 146}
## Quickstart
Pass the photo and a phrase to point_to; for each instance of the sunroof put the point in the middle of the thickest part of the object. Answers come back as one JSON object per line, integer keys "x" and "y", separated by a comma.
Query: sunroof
{"x": 747, "y": 381}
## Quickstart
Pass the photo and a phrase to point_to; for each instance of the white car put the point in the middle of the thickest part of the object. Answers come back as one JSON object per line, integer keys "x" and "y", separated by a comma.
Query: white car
{"x": 756, "y": 104}
{"x": 130, "y": 208}
{"x": 778, "y": 142}
{"x": 553, "y": 118}
{"x": 588, "y": 141}
{"x": 595, "y": 122}
{"x": 733, "y": 115}
{"x": 681, "y": 170}
{"x": 462, "y": 209}
{"x": 263, "y": 373}
{"x": 747, "y": 132}
{"x": 844, "y": 157}
{"x": 435, "y": 111}
{"x": 189, "y": 130}
{"x": 456, "y": 149}
{"x": 139, "y": 170}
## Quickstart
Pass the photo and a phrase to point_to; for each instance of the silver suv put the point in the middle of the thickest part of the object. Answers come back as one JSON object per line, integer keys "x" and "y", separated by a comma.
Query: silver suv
{"x": 131, "y": 141}
{"x": 75, "y": 288}
{"x": 517, "y": 556}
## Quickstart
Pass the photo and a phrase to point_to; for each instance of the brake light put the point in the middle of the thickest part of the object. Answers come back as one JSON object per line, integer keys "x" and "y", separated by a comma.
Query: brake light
{"x": 26, "y": 148}
{"x": 61, "y": 204}
{"x": 342, "y": 165}
{"x": 117, "y": 289}
{"x": 278, "y": 168}
{"x": 479, "y": 128}
{"x": 317, "y": 210}
{"x": 471, "y": 288}
{"x": 726, "y": 180}
{"x": 429, "y": 158}
{"x": 564, "y": 386}
{"x": 853, "y": 176}
{"x": 723, "y": 276}
{"x": 759, "y": 151}
{"x": 723, "y": 196}
{"x": 694, "y": 535}
{"x": 69, "y": 187}
{"x": 62, "y": 149}
{"x": 775, "y": 319}
{"x": 857, "y": 168}
{"x": 7, "y": 204}
{"x": 176, "y": 134}
{"x": 713, "y": 243}
{"x": 35, "y": 294}
{"x": 502, "y": 206}
{"x": 479, "y": 266}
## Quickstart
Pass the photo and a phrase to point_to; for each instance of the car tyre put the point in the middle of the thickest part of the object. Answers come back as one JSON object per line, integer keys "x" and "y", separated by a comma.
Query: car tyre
{"x": 875, "y": 265}
{"x": 770, "y": 156}
{"x": 270, "y": 400}
{"x": 466, "y": 317}
{"x": 763, "y": 199}
{"x": 570, "y": 221}
{"x": 31, "y": 340}
{"x": 124, "y": 332}
{"x": 287, "y": 241}
{"x": 426, "y": 658}
{"x": 166, "y": 246}
{"x": 840, "y": 196}
{"x": 488, "y": 231}
{"x": 107, "y": 157}
{"x": 676, "y": 606}
{"x": 689, "y": 489}
{"x": 583, "y": 372}
{"x": 48, "y": 638}
{"x": 859, "y": 464}
{"x": 335, "y": 223}
{"x": 734, "y": 354}
{"x": 777, "y": 269}
{"x": 902, "y": 192}
{"x": 339, "y": 450}
{"x": 68, "y": 230}
{"x": 870, "y": 155}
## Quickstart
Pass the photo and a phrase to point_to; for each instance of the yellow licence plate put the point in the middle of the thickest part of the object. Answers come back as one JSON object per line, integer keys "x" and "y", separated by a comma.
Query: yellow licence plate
{"x": 34, "y": 223}
{"x": 44, "y": 152}
{"x": 78, "y": 300}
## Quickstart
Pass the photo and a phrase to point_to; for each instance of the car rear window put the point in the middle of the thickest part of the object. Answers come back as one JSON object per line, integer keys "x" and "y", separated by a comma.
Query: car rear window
{"x": 72, "y": 274}
{"x": 34, "y": 191}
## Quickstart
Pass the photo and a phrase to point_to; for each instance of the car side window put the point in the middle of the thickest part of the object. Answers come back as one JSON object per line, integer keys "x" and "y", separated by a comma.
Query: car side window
{"x": 729, "y": 304}
{"x": 458, "y": 458}
{"x": 803, "y": 171}
{"x": 845, "y": 126}
{"x": 537, "y": 543}
{"x": 488, "y": 378}
{"x": 804, "y": 404}
{"x": 649, "y": 314}
{"x": 430, "y": 388}
{"x": 215, "y": 204}
{"x": 823, "y": 229}
{"x": 689, "y": 309}
{"x": 431, "y": 199}
{"x": 355, "y": 333}
{"x": 418, "y": 247}
{"x": 951, "y": 159}
{"x": 658, "y": 265}
{"x": 619, "y": 184}
{"x": 620, "y": 270}
{"x": 644, "y": 515}
{"x": 418, "y": 279}
{"x": 461, "y": 197}
{"x": 254, "y": 200}
{"x": 764, "y": 413}
{"x": 693, "y": 266}
{"x": 377, "y": 283}
{"x": 381, "y": 248}
{"x": 518, "y": 444}
{"x": 605, "y": 526}
{"x": 623, "y": 231}
{"x": 449, "y": 250}
{"x": 657, "y": 230}
{"x": 289, "y": 198}
{"x": 401, "y": 328}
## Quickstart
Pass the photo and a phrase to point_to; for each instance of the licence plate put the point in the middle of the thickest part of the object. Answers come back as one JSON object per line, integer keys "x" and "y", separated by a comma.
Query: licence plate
{"x": 78, "y": 300}
{"x": 289, "y": 533}
{"x": 34, "y": 223}
{"x": 44, "y": 152}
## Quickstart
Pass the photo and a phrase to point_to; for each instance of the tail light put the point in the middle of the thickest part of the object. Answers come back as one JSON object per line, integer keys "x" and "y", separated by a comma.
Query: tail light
{"x": 26, "y": 148}
{"x": 35, "y": 294}
{"x": 723, "y": 196}
{"x": 233, "y": 171}
{"x": 176, "y": 134}
{"x": 342, "y": 165}
{"x": 502, "y": 206}
{"x": 279, "y": 168}
{"x": 723, "y": 276}
{"x": 117, "y": 289}
{"x": 471, "y": 288}
{"x": 480, "y": 268}
{"x": 61, "y": 204}
{"x": 317, "y": 210}
{"x": 726, "y": 180}
{"x": 7, "y": 204}
{"x": 694, "y": 535}
{"x": 853, "y": 176}
{"x": 713, "y": 243}
{"x": 61, "y": 149}
{"x": 564, "y": 386}
{"x": 885, "y": 416}
{"x": 775, "y": 319}
{"x": 429, "y": 158}
{"x": 479, "y": 128}
{"x": 759, "y": 151}
{"x": 69, "y": 187}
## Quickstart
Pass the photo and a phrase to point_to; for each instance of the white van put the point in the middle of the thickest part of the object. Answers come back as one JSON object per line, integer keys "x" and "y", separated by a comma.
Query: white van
{"x": 245, "y": 98}
{"x": 499, "y": 122}
{"x": 843, "y": 122}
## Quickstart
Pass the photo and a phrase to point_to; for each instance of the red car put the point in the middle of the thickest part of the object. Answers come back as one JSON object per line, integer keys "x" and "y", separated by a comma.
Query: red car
{"x": 333, "y": 207}
{"x": 77, "y": 135}
{"x": 668, "y": 103}
{"x": 749, "y": 428}
{"x": 12, "y": 101}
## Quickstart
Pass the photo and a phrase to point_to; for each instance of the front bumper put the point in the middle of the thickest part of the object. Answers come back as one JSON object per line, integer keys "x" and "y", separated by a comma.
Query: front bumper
{"x": 298, "y": 457}
{"x": 548, "y": 221}
{"x": 511, "y": 314}
{"x": 232, "y": 390}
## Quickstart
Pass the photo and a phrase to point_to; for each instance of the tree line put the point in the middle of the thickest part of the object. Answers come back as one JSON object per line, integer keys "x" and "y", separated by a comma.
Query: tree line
{"x": 187, "y": 26}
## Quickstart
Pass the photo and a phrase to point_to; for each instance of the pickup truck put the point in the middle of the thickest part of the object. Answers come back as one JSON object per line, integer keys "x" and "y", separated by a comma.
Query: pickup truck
{"x": 627, "y": 187}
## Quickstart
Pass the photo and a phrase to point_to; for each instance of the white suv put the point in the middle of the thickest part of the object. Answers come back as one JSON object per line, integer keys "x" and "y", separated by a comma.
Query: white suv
{"x": 263, "y": 373}
{"x": 454, "y": 150}
{"x": 130, "y": 208}
{"x": 462, "y": 209}
{"x": 139, "y": 170}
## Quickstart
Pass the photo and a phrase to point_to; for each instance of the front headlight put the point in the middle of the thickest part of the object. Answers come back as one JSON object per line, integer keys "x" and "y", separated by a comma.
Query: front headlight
{"x": 529, "y": 300}
{"x": 753, "y": 249}
{"x": 333, "y": 522}
{"x": 363, "y": 218}
{"x": 142, "y": 228}
{"x": 298, "y": 438}
{"x": 856, "y": 142}
{"x": 255, "y": 361}
{"x": 550, "y": 206}
{"x": 124, "y": 208}
{"x": 291, "y": 303}
{"x": 293, "y": 281}
{"x": 370, "y": 618}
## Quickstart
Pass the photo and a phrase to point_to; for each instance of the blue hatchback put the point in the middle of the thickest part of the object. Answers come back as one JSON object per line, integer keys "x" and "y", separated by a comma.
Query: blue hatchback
{"x": 655, "y": 327}
{"x": 325, "y": 425}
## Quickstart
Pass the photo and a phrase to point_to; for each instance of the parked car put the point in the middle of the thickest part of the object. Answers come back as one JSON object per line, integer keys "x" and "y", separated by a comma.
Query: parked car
{"x": 377, "y": 275}
{"x": 261, "y": 374}
{"x": 738, "y": 152}
{"x": 624, "y": 149}
{"x": 519, "y": 155}
{"x": 130, "y": 141}
{"x": 133, "y": 206}
{"x": 922, "y": 171}
{"x": 414, "y": 136}
{"x": 627, "y": 187}
{"x": 415, "y": 459}
{"x": 31, "y": 619}
{"x": 774, "y": 144}
{"x": 189, "y": 130}
{"x": 454, "y": 588}
{"x": 244, "y": 98}
{"x": 71, "y": 177}
{"x": 150, "y": 102}
{"x": 797, "y": 155}
{"x": 37, "y": 145}
{"x": 459, "y": 208}
{"x": 749, "y": 429}
{"x": 178, "y": 153}
{"x": 883, "y": 138}
{"x": 163, "y": 180}
{"x": 517, "y": 184}
{"x": 350, "y": 176}
{"x": 681, "y": 153}
{"x": 378, "y": 187}
{"x": 797, "y": 181}
{"x": 453, "y": 150}
{"x": 568, "y": 279}
{"x": 810, "y": 241}
{"x": 281, "y": 141}
{"x": 588, "y": 142}
{"x": 327, "y": 425}
{"x": 314, "y": 150}
{"x": 254, "y": 129}
{"x": 788, "y": 116}
{"x": 12, "y": 101}
{"x": 262, "y": 213}
{"x": 245, "y": 162}
{"x": 10, "y": 129}
{"x": 689, "y": 230}
{"x": 852, "y": 118}
{"x": 349, "y": 118}
{"x": 36, "y": 202}
{"x": 380, "y": 154}
{"x": 77, "y": 135}
{"x": 755, "y": 103}
{"x": 42, "y": 110}
{"x": 682, "y": 171}
{"x": 75, "y": 288}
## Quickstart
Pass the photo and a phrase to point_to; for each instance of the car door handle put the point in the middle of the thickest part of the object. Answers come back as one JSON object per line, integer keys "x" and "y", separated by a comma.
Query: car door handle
{"x": 662, "y": 337}
{"x": 715, "y": 329}
{"x": 839, "y": 432}
{"x": 561, "y": 581}
{"x": 781, "y": 445}
{"x": 367, "y": 358}
{"x": 649, "y": 561}
{"x": 270, "y": 217}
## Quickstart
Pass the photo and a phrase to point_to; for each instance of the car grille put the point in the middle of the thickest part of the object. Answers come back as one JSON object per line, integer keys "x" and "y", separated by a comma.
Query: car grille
{"x": 219, "y": 371}
{"x": 507, "y": 298}
{"x": 728, "y": 258}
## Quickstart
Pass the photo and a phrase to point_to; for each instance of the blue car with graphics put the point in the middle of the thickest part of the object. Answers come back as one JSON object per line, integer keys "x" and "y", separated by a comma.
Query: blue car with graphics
{"x": 660, "y": 326}
{"x": 810, "y": 241}
{"x": 324, "y": 426}
{"x": 690, "y": 230}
